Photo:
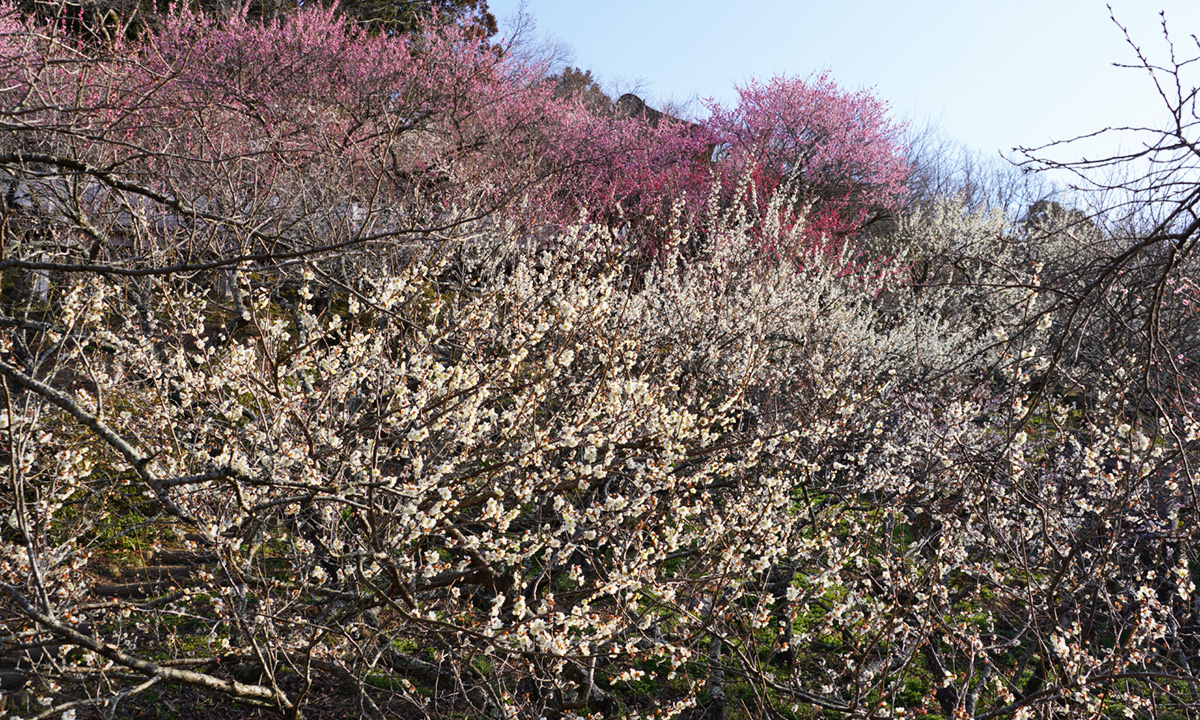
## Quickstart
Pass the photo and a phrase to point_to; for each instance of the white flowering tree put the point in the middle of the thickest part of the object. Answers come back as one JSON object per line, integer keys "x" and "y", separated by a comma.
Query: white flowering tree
{"x": 738, "y": 486}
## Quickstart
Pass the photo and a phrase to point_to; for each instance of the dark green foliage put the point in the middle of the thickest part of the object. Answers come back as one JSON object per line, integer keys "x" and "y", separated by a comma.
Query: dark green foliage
{"x": 103, "y": 22}
{"x": 574, "y": 83}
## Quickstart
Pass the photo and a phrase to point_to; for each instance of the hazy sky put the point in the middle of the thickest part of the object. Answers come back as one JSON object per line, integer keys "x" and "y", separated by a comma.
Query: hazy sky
{"x": 993, "y": 74}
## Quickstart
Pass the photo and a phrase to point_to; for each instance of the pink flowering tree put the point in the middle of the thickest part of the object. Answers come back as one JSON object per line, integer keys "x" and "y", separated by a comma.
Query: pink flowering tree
{"x": 320, "y": 121}
{"x": 625, "y": 172}
{"x": 257, "y": 140}
{"x": 834, "y": 152}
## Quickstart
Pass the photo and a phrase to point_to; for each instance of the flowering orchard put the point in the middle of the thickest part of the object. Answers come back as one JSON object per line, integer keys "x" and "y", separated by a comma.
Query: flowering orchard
{"x": 331, "y": 382}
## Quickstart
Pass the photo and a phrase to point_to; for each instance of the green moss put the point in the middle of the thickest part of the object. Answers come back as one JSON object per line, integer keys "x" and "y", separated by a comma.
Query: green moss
{"x": 482, "y": 665}
{"x": 914, "y": 691}
{"x": 384, "y": 681}
{"x": 404, "y": 644}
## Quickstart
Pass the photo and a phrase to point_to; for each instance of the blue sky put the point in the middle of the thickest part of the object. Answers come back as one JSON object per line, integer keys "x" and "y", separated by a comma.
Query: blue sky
{"x": 992, "y": 74}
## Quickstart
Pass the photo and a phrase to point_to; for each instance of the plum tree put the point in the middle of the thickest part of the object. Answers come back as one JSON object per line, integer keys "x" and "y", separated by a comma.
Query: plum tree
{"x": 837, "y": 152}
